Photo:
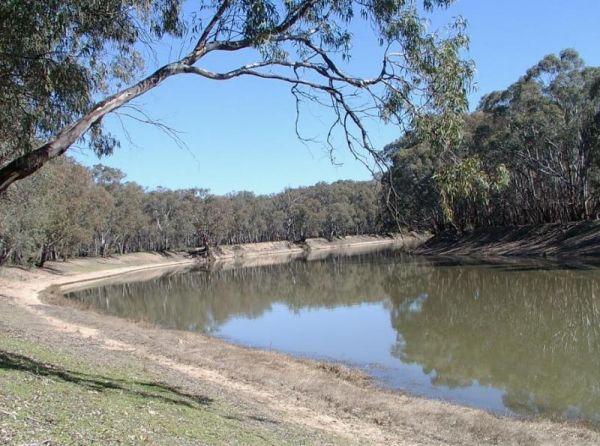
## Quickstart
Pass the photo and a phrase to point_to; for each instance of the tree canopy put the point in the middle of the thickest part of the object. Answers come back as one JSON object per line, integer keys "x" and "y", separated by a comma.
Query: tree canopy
{"x": 530, "y": 154}
{"x": 67, "y": 64}
{"x": 67, "y": 210}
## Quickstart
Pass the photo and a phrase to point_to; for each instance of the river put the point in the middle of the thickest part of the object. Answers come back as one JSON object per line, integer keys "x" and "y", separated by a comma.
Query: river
{"x": 519, "y": 338}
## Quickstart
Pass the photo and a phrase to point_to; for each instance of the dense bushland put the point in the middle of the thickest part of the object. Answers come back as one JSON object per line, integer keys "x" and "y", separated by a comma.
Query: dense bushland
{"x": 529, "y": 154}
{"x": 68, "y": 210}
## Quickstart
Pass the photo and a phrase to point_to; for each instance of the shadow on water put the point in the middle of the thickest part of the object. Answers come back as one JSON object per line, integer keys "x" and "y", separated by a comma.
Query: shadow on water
{"x": 517, "y": 263}
{"x": 98, "y": 383}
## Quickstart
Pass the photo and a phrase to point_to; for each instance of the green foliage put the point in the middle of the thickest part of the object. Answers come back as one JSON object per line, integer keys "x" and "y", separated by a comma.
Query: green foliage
{"x": 54, "y": 212}
{"x": 68, "y": 210}
{"x": 467, "y": 181}
{"x": 529, "y": 154}
{"x": 410, "y": 195}
{"x": 56, "y": 56}
{"x": 61, "y": 58}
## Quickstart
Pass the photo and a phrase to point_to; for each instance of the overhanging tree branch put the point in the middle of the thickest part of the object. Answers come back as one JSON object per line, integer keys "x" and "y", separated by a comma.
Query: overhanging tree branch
{"x": 425, "y": 76}
{"x": 30, "y": 162}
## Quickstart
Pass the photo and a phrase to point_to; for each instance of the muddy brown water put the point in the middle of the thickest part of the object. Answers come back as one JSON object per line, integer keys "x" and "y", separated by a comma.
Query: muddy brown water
{"x": 518, "y": 338}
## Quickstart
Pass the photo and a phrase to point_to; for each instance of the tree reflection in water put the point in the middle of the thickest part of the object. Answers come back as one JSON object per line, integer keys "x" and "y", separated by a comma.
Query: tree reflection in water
{"x": 530, "y": 330}
{"x": 534, "y": 333}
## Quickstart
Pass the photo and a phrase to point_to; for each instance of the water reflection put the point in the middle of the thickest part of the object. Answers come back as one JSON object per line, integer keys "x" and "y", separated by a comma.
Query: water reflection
{"x": 533, "y": 333}
{"x": 523, "y": 337}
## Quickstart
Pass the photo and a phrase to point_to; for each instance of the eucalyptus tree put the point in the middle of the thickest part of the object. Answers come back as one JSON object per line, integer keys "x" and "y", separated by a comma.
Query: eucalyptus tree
{"x": 546, "y": 128}
{"x": 66, "y": 64}
{"x": 529, "y": 154}
{"x": 129, "y": 219}
{"x": 410, "y": 194}
{"x": 122, "y": 214}
{"x": 68, "y": 210}
{"x": 53, "y": 215}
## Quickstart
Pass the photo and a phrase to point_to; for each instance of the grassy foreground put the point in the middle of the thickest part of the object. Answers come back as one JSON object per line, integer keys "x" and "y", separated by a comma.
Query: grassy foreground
{"x": 76, "y": 402}
{"x": 71, "y": 376}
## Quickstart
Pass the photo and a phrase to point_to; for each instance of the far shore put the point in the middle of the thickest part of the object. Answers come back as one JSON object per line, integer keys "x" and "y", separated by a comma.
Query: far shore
{"x": 321, "y": 400}
{"x": 553, "y": 240}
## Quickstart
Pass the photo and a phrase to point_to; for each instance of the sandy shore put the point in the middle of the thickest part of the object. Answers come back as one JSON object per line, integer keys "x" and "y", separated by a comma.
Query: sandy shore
{"x": 309, "y": 395}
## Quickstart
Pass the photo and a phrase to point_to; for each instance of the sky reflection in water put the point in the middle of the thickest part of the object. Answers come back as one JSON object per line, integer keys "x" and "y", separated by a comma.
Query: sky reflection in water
{"x": 520, "y": 338}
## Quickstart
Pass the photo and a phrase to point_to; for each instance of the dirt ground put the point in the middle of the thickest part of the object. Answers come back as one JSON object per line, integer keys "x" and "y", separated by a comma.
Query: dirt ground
{"x": 310, "y": 401}
{"x": 578, "y": 239}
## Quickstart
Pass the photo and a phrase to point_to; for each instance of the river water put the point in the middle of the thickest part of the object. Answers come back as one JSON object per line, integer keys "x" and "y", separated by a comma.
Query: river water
{"x": 520, "y": 338}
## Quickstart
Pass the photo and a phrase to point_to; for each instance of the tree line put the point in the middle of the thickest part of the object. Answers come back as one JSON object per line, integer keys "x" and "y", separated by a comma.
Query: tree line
{"x": 68, "y": 210}
{"x": 529, "y": 154}
{"x": 67, "y": 64}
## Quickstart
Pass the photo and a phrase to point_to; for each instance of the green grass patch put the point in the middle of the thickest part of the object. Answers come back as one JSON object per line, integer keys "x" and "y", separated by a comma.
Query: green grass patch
{"x": 47, "y": 395}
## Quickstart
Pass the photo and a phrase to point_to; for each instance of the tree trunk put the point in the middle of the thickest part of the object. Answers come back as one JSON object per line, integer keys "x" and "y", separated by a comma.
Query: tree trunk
{"x": 43, "y": 257}
{"x": 30, "y": 162}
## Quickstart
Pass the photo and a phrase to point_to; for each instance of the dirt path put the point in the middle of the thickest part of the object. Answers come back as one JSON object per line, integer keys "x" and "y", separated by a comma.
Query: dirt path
{"x": 311, "y": 395}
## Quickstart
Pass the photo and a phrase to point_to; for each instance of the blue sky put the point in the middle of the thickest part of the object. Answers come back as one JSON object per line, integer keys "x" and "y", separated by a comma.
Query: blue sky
{"x": 240, "y": 134}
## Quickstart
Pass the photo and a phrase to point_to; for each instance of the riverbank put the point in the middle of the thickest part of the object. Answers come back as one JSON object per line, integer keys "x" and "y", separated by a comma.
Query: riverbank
{"x": 74, "y": 376}
{"x": 578, "y": 239}
{"x": 314, "y": 247}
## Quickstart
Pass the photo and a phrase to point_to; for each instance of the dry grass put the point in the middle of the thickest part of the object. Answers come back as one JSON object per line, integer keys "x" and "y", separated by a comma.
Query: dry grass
{"x": 61, "y": 392}
{"x": 319, "y": 400}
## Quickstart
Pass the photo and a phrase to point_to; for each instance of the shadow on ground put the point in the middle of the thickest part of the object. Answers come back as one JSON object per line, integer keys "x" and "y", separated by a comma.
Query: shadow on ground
{"x": 146, "y": 389}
